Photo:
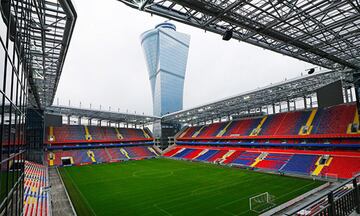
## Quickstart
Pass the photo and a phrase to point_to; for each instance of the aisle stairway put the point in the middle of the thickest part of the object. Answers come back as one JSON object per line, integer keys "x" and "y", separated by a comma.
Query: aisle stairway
{"x": 323, "y": 161}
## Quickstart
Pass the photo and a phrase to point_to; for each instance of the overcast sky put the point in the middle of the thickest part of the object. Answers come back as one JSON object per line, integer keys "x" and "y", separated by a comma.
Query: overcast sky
{"x": 105, "y": 64}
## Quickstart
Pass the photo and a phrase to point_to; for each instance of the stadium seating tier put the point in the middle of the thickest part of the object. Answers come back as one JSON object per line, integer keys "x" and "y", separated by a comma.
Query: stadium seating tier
{"x": 331, "y": 122}
{"x": 68, "y": 134}
{"x": 344, "y": 164}
{"x": 100, "y": 155}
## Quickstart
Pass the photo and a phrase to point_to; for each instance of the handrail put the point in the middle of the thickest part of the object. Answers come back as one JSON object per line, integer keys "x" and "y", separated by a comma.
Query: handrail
{"x": 331, "y": 198}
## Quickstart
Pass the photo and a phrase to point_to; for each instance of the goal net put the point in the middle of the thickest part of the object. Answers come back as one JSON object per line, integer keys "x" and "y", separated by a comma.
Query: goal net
{"x": 261, "y": 202}
{"x": 331, "y": 176}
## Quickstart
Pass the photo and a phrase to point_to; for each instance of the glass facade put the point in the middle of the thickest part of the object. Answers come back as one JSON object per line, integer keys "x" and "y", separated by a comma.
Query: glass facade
{"x": 166, "y": 53}
{"x": 13, "y": 97}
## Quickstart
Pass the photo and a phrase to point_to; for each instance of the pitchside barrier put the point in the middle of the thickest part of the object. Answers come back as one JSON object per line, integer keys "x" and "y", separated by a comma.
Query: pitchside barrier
{"x": 341, "y": 201}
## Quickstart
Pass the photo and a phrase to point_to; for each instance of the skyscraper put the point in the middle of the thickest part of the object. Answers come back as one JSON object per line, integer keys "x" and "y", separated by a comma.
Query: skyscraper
{"x": 166, "y": 53}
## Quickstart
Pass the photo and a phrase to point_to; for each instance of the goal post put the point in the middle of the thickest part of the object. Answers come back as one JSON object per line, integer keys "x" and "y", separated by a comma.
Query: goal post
{"x": 331, "y": 177}
{"x": 261, "y": 202}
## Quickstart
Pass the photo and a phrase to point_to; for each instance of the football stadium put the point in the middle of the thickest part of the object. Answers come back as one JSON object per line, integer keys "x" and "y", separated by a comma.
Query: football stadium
{"x": 287, "y": 148}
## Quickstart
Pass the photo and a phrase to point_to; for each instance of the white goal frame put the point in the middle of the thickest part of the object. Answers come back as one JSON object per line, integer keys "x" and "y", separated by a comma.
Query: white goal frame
{"x": 268, "y": 199}
{"x": 331, "y": 176}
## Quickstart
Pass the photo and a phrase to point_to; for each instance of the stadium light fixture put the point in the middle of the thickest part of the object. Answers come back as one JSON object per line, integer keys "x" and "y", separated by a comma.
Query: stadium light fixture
{"x": 228, "y": 34}
{"x": 311, "y": 71}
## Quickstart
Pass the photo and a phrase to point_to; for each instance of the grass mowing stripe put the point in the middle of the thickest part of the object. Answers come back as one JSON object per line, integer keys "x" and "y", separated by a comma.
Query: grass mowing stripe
{"x": 84, "y": 198}
{"x": 184, "y": 194}
{"x": 80, "y": 203}
{"x": 146, "y": 188}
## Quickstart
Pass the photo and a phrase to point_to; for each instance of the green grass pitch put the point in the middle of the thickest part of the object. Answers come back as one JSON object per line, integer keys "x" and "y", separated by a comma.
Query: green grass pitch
{"x": 169, "y": 187}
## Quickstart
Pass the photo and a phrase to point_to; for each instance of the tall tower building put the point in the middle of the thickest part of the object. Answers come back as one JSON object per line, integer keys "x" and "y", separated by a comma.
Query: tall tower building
{"x": 166, "y": 53}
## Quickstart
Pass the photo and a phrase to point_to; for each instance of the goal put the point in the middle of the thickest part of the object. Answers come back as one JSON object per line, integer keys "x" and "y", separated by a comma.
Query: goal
{"x": 331, "y": 177}
{"x": 261, "y": 202}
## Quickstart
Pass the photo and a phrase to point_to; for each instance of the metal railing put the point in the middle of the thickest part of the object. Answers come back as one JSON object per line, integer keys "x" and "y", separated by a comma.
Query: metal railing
{"x": 343, "y": 200}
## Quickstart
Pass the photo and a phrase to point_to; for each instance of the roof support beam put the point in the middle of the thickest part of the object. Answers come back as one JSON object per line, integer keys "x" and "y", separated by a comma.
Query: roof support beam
{"x": 251, "y": 25}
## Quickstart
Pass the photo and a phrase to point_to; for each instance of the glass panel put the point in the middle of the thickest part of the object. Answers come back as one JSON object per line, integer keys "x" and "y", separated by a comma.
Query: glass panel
{"x": 2, "y": 65}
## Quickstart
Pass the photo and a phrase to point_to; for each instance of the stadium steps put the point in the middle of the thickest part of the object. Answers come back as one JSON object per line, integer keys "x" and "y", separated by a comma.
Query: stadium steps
{"x": 51, "y": 134}
{"x": 319, "y": 167}
{"x": 225, "y": 156}
{"x": 118, "y": 134}
{"x": 272, "y": 124}
{"x": 201, "y": 153}
{"x": 230, "y": 158}
{"x": 274, "y": 161}
{"x": 218, "y": 156}
{"x": 91, "y": 155}
{"x": 261, "y": 157}
{"x": 198, "y": 132}
{"x": 51, "y": 158}
{"x": 153, "y": 151}
{"x": 246, "y": 158}
{"x": 290, "y": 123}
{"x": 243, "y": 127}
{"x": 257, "y": 130}
{"x": 146, "y": 135}
{"x": 172, "y": 151}
{"x": 87, "y": 134}
{"x": 193, "y": 154}
{"x": 215, "y": 130}
{"x": 183, "y": 153}
{"x": 125, "y": 153}
{"x": 158, "y": 150}
{"x": 115, "y": 154}
{"x": 175, "y": 152}
{"x": 183, "y": 132}
{"x": 207, "y": 155}
{"x": 308, "y": 123}
{"x": 223, "y": 131}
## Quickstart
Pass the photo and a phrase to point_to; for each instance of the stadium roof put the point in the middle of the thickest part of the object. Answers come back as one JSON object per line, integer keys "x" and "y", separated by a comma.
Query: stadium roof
{"x": 275, "y": 93}
{"x": 102, "y": 115}
{"x": 322, "y": 32}
{"x": 45, "y": 33}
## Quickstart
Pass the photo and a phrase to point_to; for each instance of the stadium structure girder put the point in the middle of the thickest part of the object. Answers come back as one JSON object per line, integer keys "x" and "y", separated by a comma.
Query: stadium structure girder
{"x": 321, "y": 32}
{"x": 284, "y": 91}
{"x": 115, "y": 117}
{"x": 288, "y": 90}
{"x": 45, "y": 32}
